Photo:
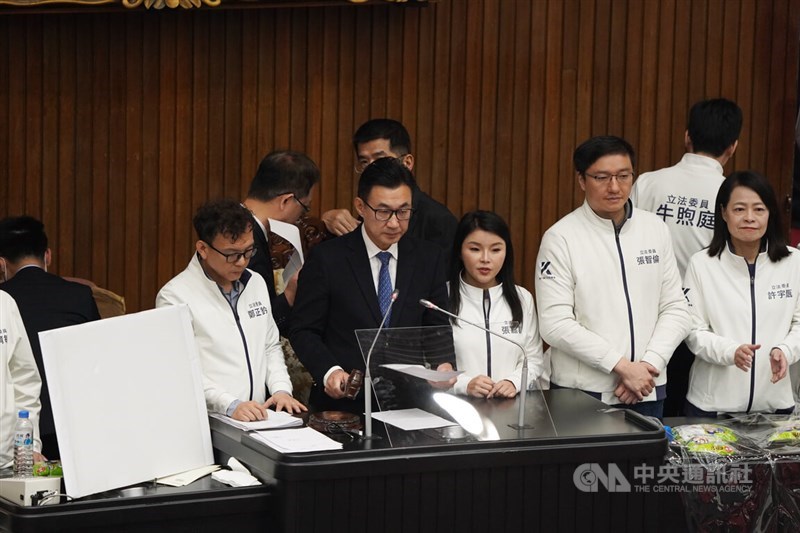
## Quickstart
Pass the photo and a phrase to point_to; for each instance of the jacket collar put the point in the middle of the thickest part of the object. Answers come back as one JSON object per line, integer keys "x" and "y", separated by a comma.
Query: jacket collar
{"x": 605, "y": 223}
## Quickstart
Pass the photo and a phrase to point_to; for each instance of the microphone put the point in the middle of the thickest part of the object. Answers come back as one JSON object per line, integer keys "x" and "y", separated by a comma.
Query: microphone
{"x": 523, "y": 385}
{"x": 368, "y": 373}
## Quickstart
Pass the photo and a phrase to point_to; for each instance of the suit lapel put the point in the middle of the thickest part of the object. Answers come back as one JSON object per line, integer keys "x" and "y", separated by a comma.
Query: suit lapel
{"x": 359, "y": 264}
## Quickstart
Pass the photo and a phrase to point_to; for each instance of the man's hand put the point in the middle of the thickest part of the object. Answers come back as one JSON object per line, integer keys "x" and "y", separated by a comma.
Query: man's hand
{"x": 291, "y": 289}
{"x": 444, "y": 367}
{"x": 637, "y": 377}
{"x": 249, "y": 412}
{"x": 743, "y": 356}
{"x": 777, "y": 361}
{"x": 339, "y": 221}
{"x": 336, "y": 383}
{"x": 283, "y": 401}
{"x": 502, "y": 389}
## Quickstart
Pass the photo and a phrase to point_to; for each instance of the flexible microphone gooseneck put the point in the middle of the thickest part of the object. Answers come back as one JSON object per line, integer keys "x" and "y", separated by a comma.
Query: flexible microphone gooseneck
{"x": 368, "y": 373}
{"x": 523, "y": 388}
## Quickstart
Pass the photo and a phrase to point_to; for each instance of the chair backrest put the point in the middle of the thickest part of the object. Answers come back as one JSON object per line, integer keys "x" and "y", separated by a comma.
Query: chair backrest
{"x": 108, "y": 303}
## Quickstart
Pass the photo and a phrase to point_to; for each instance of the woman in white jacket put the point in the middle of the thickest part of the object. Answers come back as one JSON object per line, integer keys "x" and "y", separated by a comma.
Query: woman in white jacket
{"x": 482, "y": 290}
{"x": 743, "y": 295}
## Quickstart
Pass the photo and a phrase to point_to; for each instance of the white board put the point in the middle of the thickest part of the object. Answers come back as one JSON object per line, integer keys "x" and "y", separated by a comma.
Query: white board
{"x": 127, "y": 399}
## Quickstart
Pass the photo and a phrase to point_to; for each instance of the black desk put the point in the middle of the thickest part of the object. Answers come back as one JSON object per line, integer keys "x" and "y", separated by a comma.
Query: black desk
{"x": 205, "y": 505}
{"x": 414, "y": 481}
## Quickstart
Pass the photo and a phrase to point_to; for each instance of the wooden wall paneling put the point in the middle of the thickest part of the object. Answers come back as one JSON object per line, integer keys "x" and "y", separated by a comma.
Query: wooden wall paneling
{"x": 65, "y": 143}
{"x": 645, "y": 145}
{"x": 517, "y": 180}
{"x": 776, "y": 111}
{"x": 217, "y": 106}
{"x": 165, "y": 235}
{"x": 265, "y": 96}
{"x": 440, "y": 142}
{"x": 83, "y": 135}
{"x": 744, "y": 76}
{"x": 569, "y": 196}
{"x": 634, "y": 67}
{"x": 298, "y": 80}
{"x": 600, "y": 50}
{"x": 377, "y": 32}
{"x": 663, "y": 134}
{"x": 680, "y": 82}
{"x": 732, "y": 20}
{"x": 789, "y": 92}
{"x": 231, "y": 101}
{"x": 283, "y": 79}
{"x": 714, "y": 46}
{"x": 363, "y": 78}
{"x": 148, "y": 244}
{"x": 397, "y": 50}
{"x": 330, "y": 141}
{"x": 487, "y": 119}
{"x": 200, "y": 106}
{"x": 117, "y": 160}
{"x": 406, "y": 80}
{"x": 313, "y": 131}
{"x": 249, "y": 155}
{"x": 5, "y": 104}
{"x": 501, "y": 178}
{"x": 17, "y": 58}
{"x": 473, "y": 92}
{"x": 422, "y": 134}
{"x": 454, "y": 153}
{"x": 347, "y": 92}
{"x": 584, "y": 89}
{"x": 184, "y": 132}
{"x": 133, "y": 164}
{"x": 759, "y": 109}
{"x": 616, "y": 68}
{"x": 100, "y": 171}
{"x": 552, "y": 179}
{"x": 33, "y": 118}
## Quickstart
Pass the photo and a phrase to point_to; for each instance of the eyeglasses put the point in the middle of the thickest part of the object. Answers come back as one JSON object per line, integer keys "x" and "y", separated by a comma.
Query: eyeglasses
{"x": 604, "y": 179}
{"x": 362, "y": 164}
{"x": 404, "y": 213}
{"x": 306, "y": 208}
{"x": 236, "y": 256}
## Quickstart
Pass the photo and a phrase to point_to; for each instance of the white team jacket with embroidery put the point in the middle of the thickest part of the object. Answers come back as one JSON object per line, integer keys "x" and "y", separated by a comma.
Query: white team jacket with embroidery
{"x": 472, "y": 345}
{"x": 20, "y": 383}
{"x": 240, "y": 352}
{"x": 729, "y": 309}
{"x": 603, "y": 296}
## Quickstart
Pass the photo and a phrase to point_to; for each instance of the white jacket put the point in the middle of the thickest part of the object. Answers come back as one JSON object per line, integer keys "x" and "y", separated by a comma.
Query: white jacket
{"x": 240, "y": 352}
{"x": 603, "y": 297}
{"x": 472, "y": 345}
{"x": 728, "y": 311}
{"x": 20, "y": 382}
{"x": 683, "y": 196}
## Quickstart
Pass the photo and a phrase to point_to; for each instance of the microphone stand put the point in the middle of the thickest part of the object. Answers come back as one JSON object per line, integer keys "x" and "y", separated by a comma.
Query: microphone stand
{"x": 368, "y": 373}
{"x": 523, "y": 388}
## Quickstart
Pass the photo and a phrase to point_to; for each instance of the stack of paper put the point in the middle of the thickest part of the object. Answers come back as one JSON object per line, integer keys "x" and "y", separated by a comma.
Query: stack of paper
{"x": 412, "y": 419}
{"x": 275, "y": 420}
{"x": 297, "y": 440}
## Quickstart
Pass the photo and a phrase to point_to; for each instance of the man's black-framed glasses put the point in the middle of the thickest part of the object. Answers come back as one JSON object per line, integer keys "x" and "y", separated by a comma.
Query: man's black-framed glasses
{"x": 603, "y": 179}
{"x": 404, "y": 213}
{"x": 234, "y": 257}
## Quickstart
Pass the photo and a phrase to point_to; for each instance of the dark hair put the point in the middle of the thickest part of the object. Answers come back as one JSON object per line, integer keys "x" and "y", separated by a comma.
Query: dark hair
{"x": 492, "y": 223}
{"x": 283, "y": 172}
{"x": 22, "y": 237}
{"x": 384, "y": 128}
{"x": 590, "y": 151}
{"x": 714, "y": 125}
{"x": 774, "y": 238}
{"x": 384, "y": 172}
{"x": 222, "y": 217}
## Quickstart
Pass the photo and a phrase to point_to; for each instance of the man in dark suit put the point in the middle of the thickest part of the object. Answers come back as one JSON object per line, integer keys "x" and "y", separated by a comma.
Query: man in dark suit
{"x": 281, "y": 190}
{"x": 339, "y": 286}
{"x": 384, "y": 137}
{"x": 45, "y": 300}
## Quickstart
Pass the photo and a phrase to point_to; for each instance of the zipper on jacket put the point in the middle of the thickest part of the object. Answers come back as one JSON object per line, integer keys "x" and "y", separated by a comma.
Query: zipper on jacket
{"x": 487, "y": 307}
{"x": 752, "y": 333}
{"x": 625, "y": 287}
{"x": 244, "y": 339}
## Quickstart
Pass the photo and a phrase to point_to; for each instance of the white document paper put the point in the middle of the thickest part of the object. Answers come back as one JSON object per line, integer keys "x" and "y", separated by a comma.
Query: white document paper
{"x": 412, "y": 419}
{"x": 297, "y": 440}
{"x": 419, "y": 371}
{"x": 127, "y": 397}
{"x": 275, "y": 420}
{"x": 184, "y": 478}
{"x": 290, "y": 233}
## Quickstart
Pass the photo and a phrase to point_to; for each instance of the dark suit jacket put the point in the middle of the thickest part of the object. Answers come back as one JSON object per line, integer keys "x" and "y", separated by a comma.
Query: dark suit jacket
{"x": 262, "y": 263}
{"x": 432, "y": 221}
{"x": 46, "y": 302}
{"x": 336, "y": 295}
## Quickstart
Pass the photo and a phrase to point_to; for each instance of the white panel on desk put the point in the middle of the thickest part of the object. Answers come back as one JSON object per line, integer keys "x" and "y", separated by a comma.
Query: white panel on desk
{"x": 127, "y": 396}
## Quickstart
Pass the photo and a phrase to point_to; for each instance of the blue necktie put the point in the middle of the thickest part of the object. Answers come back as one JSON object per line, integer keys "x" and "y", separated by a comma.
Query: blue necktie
{"x": 384, "y": 284}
